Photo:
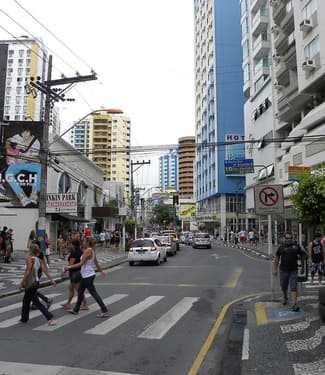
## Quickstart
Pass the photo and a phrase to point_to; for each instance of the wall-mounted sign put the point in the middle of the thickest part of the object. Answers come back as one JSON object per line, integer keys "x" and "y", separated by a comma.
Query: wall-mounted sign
{"x": 296, "y": 173}
{"x": 56, "y": 203}
{"x": 239, "y": 167}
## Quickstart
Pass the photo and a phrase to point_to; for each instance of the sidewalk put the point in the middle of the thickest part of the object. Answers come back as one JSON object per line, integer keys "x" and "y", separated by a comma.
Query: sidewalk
{"x": 12, "y": 273}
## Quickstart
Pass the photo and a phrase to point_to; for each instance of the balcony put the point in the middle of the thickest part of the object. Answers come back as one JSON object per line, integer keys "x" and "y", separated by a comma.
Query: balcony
{"x": 262, "y": 68}
{"x": 261, "y": 46}
{"x": 257, "y": 4}
{"x": 260, "y": 22}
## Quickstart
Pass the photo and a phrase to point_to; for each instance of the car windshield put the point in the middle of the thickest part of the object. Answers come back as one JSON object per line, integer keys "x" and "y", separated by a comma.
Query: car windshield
{"x": 142, "y": 243}
{"x": 202, "y": 235}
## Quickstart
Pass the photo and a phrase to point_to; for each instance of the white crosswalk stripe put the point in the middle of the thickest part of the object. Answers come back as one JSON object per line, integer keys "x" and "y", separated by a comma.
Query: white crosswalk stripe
{"x": 13, "y": 368}
{"x": 67, "y": 319}
{"x": 111, "y": 323}
{"x": 156, "y": 329}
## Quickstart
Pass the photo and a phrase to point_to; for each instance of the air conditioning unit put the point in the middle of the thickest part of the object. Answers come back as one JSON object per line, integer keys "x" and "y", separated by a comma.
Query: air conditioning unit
{"x": 277, "y": 85}
{"x": 275, "y": 29}
{"x": 276, "y": 57}
{"x": 305, "y": 25}
{"x": 274, "y": 3}
{"x": 308, "y": 65}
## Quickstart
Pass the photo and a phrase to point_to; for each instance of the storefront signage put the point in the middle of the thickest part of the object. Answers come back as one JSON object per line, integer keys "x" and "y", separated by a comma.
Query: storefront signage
{"x": 56, "y": 203}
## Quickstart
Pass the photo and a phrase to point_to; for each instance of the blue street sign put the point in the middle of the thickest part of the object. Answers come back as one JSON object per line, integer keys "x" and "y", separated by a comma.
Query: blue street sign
{"x": 239, "y": 167}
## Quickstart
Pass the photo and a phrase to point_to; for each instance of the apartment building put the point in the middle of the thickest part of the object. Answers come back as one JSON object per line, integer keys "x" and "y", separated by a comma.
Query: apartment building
{"x": 219, "y": 119}
{"x": 186, "y": 162}
{"x": 105, "y": 138}
{"x": 168, "y": 171}
{"x": 21, "y": 59}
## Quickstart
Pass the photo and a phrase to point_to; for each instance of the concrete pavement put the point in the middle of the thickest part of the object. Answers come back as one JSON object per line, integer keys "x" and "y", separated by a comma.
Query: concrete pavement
{"x": 12, "y": 273}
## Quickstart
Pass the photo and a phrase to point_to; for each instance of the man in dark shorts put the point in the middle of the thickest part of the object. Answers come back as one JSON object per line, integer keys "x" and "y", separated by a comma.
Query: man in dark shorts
{"x": 287, "y": 256}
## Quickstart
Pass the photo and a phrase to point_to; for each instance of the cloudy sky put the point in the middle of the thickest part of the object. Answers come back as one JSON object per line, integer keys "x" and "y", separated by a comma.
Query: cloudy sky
{"x": 142, "y": 51}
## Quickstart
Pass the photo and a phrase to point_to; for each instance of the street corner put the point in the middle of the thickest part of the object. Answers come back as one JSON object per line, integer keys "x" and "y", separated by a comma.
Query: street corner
{"x": 271, "y": 311}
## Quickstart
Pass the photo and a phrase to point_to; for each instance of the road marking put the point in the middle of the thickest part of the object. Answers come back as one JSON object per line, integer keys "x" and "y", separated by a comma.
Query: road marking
{"x": 117, "y": 320}
{"x": 260, "y": 314}
{"x": 14, "y": 368}
{"x": 245, "y": 349}
{"x": 19, "y": 304}
{"x": 208, "y": 342}
{"x": 296, "y": 327}
{"x": 313, "y": 368}
{"x": 158, "y": 329}
{"x": 307, "y": 344}
{"x": 69, "y": 318}
{"x": 235, "y": 277}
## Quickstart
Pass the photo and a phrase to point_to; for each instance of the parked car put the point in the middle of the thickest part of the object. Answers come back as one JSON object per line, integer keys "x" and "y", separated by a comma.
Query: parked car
{"x": 201, "y": 240}
{"x": 168, "y": 242}
{"x": 147, "y": 250}
{"x": 172, "y": 234}
{"x": 188, "y": 239}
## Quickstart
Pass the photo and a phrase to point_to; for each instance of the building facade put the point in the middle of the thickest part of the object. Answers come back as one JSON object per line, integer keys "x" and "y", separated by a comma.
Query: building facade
{"x": 168, "y": 171}
{"x": 219, "y": 103}
{"x": 104, "y": 136}
{"x": 20, "y": 60}
{"x": 186, "y": 160}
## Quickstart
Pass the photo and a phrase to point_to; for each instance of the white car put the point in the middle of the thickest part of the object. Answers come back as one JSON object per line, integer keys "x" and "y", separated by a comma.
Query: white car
{"x": 147, "y": 250}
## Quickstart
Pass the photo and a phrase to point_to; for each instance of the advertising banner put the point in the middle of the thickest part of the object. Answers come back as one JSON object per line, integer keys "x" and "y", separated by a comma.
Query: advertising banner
{"x": 296, "y": 173}
{"x": 239, "y": 167}
{"x": 56, "y": 203}
{"x": 187, "y": 211}
{"x": 20, "y": 167}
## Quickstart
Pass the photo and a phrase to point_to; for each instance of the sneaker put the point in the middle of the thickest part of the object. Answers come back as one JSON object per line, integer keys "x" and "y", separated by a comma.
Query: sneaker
{"x": 49, "y": 302}
{"x": 71, "y": 311}
{"x": 295, "y": 308}
{"x": 51, "y": 322}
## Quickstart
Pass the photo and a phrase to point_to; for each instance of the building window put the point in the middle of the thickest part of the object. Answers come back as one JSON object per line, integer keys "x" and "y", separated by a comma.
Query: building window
{"x": 64, "y": 183}
{"x": 309, "y": 9}
{"x": 21, "y": 53}
{"x": 244, "y": 27}
{"x": 312, "y": 48}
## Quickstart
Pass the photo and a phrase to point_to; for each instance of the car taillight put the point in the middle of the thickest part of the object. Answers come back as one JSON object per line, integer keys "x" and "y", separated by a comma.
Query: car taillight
{"x": 130, "y": 249}
{"x": 153, "y": 248}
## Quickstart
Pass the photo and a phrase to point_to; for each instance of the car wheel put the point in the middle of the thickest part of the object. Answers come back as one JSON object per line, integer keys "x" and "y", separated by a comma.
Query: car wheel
{"x": 165, "y": 259}
{"x": 158, "y": 261}
{"x": 209, "y": 247}
{"x": 131, "y": 263}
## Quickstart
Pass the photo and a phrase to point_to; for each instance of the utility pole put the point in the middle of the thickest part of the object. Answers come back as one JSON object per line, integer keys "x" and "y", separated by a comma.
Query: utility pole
{"x": 132, "y": 200}
{"x": 50, "y": 96}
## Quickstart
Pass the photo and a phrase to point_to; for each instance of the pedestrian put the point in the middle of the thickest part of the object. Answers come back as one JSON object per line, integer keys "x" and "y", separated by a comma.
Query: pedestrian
{"x": 102, "y": 238}
{"x": 107, "y": 237}
{"x": 32, "y": 237}
{"x": 47, "y": 249}
{"x": 61, "y": 245}
{"x": 112, "y": 242}
{"x": 251, "y": 237}
{"x": 316, "y": 258}
{"x": 8, "y": 246}
{"x": 33, "y": 264}
{"x": 287, "y": 256}
{"x": 75, "y": 275}
{"x": 87, "y": 263}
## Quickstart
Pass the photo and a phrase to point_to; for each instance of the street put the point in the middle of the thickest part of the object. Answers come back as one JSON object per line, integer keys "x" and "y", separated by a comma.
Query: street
{"x": 160, "y": 317}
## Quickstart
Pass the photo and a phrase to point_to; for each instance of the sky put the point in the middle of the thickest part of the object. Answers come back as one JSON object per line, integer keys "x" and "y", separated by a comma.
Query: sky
{"x": 141, "y": 50}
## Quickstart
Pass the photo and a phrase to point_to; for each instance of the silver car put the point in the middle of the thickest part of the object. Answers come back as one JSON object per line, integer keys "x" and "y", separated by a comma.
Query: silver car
{"x": 147, "y": 250}
{"x": 201, "y": 240}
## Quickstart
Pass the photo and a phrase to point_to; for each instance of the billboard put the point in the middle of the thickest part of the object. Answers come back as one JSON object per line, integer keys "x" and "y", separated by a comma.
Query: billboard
{"x": 56, "y": 202}
{"x": 20, "y": 167}
{"x": 187, "y": 211}
{"x": 239, "y": 167}
{"x": 296, "y": 173}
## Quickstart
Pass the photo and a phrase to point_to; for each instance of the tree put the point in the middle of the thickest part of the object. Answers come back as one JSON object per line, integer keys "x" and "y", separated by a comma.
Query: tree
{"x": 308, "y": 198}
{"x": 161, "y": 214}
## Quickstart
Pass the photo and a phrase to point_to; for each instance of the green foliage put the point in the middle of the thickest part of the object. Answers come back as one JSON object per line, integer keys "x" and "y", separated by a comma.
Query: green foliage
{"x": 308, "y": 198}
{"x": 129, "y": 225}
{"x": 161, "y": 214}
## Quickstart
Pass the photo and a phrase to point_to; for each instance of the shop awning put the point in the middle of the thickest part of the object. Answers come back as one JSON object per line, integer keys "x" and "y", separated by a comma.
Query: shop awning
{"x": 69, "y": 217}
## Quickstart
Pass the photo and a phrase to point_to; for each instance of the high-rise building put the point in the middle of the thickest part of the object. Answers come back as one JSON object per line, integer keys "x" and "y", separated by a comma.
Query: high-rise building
{"x": 21, "y": 59}
{"x": 168, "y": 171}
{"x": 104, "y": 136}
{"x": 186, "y": 160}
{"x": 219, "y": 120}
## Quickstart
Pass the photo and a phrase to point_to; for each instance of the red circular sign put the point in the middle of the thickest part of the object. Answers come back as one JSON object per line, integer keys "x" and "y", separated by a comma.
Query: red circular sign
{"x": 268, "y": 196}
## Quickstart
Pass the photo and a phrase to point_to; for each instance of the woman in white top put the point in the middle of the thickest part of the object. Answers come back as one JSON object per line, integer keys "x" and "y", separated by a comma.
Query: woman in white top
{"x": 88, "y": 273}
{"x": 33, "y": 264}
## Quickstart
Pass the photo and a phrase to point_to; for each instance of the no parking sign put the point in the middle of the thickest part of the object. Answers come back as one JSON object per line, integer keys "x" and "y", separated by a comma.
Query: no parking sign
{"x": 268, "y": 199}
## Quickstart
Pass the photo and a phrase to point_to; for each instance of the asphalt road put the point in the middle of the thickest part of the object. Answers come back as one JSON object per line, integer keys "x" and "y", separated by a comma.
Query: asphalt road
{"x": 169, "y": 319}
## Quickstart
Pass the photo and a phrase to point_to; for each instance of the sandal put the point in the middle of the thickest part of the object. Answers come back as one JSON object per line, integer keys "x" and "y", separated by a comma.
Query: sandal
{"x": 103, "y": 315}
{"x": 84, "y": 308}
{"x": 65, "y": 306}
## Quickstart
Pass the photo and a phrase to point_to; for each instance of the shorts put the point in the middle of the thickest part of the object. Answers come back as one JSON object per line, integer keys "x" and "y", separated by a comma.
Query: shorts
{"x": 316, "y": 267}
{"x": 289, "y": 277}
{"x": 47, "y": 251}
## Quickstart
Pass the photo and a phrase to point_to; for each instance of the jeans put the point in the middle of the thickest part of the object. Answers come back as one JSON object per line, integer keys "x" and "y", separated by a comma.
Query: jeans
{"x": 31, "y": 295}
{"x": 88, "y": 283}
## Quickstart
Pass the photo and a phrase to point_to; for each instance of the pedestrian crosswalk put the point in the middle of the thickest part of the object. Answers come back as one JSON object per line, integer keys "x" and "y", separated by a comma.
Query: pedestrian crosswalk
{"x": 152, "y": 329}
{"x": 309, "y": 285}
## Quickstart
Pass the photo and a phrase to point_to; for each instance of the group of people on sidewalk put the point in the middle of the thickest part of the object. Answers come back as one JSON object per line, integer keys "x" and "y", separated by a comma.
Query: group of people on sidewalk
{"x": 6, "y": 244}
{"x": 82, "y": 265}
{"x": 287, "y": 257}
